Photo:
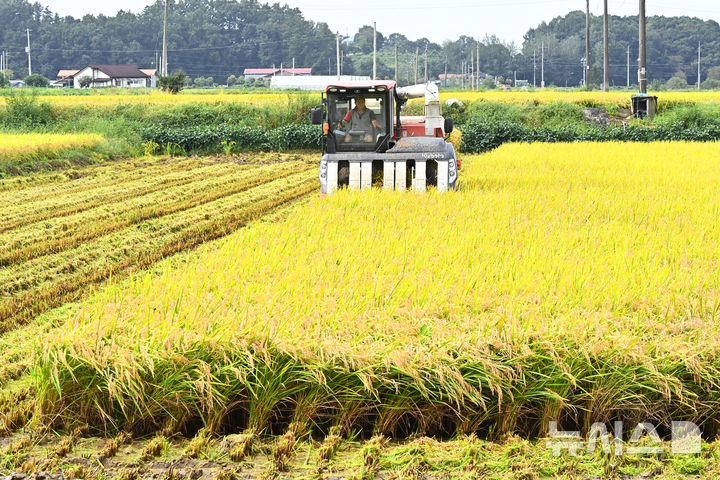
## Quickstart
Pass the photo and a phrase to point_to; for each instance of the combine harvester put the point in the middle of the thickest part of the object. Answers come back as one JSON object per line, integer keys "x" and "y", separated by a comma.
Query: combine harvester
{"x": 367, "y": 143}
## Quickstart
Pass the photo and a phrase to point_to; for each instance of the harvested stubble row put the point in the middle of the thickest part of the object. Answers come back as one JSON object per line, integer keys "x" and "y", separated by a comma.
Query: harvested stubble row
{"x": 199, "y": 187}
{"x": 45, "y": 185}
{"x": 60, "y": 205}
{"x": 53, "y": 261}
{"x": 575, "y": 282}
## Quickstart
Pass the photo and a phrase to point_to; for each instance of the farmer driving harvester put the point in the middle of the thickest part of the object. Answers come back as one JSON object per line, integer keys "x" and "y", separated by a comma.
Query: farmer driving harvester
{"x": 361, "y": 119}
{"x": 367, "y": 142}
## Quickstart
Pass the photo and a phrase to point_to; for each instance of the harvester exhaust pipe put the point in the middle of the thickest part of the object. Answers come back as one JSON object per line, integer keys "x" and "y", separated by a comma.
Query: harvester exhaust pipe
{"x": 433, "y": 119}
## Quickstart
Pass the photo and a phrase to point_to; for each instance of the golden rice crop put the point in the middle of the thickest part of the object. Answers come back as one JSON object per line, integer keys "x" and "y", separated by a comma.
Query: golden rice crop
{"x": 16, "y": 146}
{"x": 274, "y": 98}
{"x": 160, "y": 98}
{"x": 577, "y": 96}
{"x": 573, "y": 281}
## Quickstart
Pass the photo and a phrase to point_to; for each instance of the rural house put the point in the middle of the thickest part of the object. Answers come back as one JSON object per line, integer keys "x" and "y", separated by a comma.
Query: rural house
{"x": 64, "y": 78}
{"x": 116, "y": 76}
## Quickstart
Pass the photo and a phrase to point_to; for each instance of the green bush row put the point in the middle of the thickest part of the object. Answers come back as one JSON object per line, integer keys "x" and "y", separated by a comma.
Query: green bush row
{"x": 482, "y": 136}
{"x": 27, "y": 111}
{"x": 214, "y": 138}
{"x": 556, "y": 113}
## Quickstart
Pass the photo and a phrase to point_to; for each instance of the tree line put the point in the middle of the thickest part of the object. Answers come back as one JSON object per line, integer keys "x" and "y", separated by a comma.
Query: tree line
{"x": 220, "y": 38}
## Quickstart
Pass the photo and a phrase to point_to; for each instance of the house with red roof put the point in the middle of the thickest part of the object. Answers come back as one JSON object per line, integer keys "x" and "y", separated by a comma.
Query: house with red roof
{"x": 64, "y": 78}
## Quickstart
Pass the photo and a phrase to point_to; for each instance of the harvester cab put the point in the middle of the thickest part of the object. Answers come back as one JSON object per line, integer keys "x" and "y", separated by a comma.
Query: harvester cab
{"x": 366, "y": 142}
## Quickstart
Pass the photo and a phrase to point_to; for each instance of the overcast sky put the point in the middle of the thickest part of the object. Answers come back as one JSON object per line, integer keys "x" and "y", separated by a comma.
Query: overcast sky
{"x": 437, "y": 20}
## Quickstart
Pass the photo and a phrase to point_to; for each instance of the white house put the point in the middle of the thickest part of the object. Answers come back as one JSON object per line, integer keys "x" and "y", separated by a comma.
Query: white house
{"x": 152, "y": 73}
{"x": 116, "y": 76}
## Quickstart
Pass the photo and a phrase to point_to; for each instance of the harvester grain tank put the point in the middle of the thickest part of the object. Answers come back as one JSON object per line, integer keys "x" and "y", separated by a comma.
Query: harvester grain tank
{"x": 366, "y": 142}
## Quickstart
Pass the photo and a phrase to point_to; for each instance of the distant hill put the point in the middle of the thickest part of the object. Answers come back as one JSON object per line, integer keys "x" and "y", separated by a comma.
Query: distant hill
{"x": 219, "y": 38}
{"x": 206, "y": 37}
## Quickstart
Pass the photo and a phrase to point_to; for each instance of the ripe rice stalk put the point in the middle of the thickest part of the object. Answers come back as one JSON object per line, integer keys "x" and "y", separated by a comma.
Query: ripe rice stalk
{"x": 576, "y": 281}
{"x": 17, "y": 147}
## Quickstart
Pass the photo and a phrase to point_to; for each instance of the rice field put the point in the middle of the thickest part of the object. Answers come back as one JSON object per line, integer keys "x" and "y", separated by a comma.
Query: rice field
{"x": 571, "y": 282}
{"x": 155, "y": 97}
{"x": 619, "y": 98}
{"x": 20, "y": 147}
{"x": 62, "y": 233}
{"x": 581, "y": 97}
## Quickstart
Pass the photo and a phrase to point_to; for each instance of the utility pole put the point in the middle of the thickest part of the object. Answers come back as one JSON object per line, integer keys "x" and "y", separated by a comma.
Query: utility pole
{"x": 477, "y": 64}
{"x": 427, "y": 79}
{"x": 164, "y": 69}
{"x": 462, "y": 75}
{"x": 417, "y": 53}
{"x": 542, "y": 65}
{"x": 374, "y": 50}
{"x": 446, "y": 79}
{"x": 642, "y": 67}
{"x": 698, "y": 64}
{"x": 535, "y": 68}
{"x": 409, "y": 68}
{"x": 628, "y": 66}
{"x": 337, "y": 52}
{"x": 293, "y": 70}
{"x": 472, "y": 71}
{"x": 606, "y": 50}
{"x": 588, "y": 63}
{"x": 28, "y": 52}
{"x": 515, "y": 78}
{"x": 396, "y": 63}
